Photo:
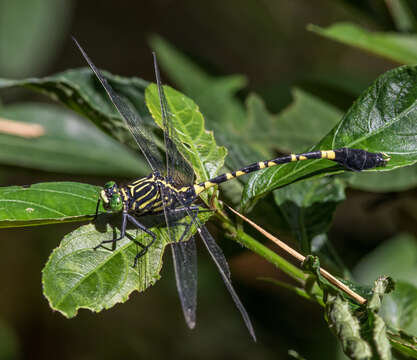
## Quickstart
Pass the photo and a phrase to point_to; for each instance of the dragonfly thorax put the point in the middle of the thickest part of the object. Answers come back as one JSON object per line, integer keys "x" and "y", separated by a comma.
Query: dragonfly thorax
{"x": 149, "y": 194}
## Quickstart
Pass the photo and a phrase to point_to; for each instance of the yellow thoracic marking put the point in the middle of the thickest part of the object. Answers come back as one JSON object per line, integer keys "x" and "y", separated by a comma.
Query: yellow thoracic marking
{"x": 302, "y": 157}
{"x": 229, "y": 176}
{"x": 144, "y": 204}
{"x": 331, "y": 155}
{"x": 261, "y": 165}
{"x": 293, "y": 157}
{"x": 198, "y": 189}
{"x": 124, "y": 194}
{"x": 271, "y": 163}
{"x": 137, "y": 182}
{"x": 132, "y": 189}
{"x": 240, "y": 173}
{"x": 104, "y": 196}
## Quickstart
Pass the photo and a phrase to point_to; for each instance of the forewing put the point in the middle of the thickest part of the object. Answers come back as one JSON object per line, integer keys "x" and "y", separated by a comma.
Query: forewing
{"x": 133, "y": 121}
{"x": 218, "y": 257}
{"x": 184, "y": 255}
{"x": 178, "y": 169}
{"x": 185, "y": 265}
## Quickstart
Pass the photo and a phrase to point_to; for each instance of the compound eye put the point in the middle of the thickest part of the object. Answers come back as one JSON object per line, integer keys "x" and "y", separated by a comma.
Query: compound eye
{"x": 109, "y": 185}
{"x": 116, "y": 203}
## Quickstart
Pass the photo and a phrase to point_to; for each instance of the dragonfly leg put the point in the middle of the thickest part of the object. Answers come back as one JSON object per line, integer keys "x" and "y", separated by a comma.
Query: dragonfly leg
{"x": 194, "y": 211}
{"x": 127, "y": 216}
{"x": 98, "y": 205}
{"x": 122, "y": 234}
{"x": 144, "y": 247}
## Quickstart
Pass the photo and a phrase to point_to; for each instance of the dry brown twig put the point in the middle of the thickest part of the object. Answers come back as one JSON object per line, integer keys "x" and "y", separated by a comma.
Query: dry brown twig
{"x": 301, "y": 258}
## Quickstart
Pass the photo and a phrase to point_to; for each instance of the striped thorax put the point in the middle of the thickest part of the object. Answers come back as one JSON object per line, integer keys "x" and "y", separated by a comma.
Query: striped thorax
{"x": 144, "y": 195}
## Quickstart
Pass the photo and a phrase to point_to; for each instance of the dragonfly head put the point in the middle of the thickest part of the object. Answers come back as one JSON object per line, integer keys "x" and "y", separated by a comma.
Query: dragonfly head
{"x": 111, "y": 197}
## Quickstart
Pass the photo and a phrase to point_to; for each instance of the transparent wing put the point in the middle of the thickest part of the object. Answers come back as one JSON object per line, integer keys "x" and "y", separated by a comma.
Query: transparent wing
{"x": 178, "y": 169}
{"x": 133, "y": 121}
{"x": 184, "y": 255}
{"x": 218, "y": 257}
{"x": 185, "y": 264}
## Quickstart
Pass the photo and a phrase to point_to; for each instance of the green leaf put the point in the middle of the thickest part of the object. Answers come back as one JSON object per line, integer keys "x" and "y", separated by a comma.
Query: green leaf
{"x": 47, "y": 203}
{"x": 396, "y": 258}
{"x": 65, "y": 144}
{"x": 383, "y": 119}
{"x": 197, "y": 145}
{"x": 216, "y": 96}
{"x": 308, "y": 207}
{"x": 404, "y": 343}
{"x": 401, "y": 48}
{"x": 81, "y": 91}
{"x": 46, "y": 21}
{"x": 402, "y": 15}
{"x": 399, "y": 309}
{"x": 77, "y": 276}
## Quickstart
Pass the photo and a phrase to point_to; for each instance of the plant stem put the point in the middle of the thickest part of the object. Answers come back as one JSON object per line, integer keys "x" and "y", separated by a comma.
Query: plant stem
{"x": 255, "y": 246}
{"x": 301, "y": 258}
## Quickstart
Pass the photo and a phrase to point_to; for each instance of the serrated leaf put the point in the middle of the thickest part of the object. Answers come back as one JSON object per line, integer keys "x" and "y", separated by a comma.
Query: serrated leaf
{"x": 81, "y": 91}
{"x": 383, "y": 119}
{"x": 200, "y": 147}
{"x": 394, "y": 46}
{"x": 216, "y": 96}
{"x": 308, "y": 207}
{"x": 47, "y": 203}
{"x": 67, "y": 143}
{"x": 76, "y": 276}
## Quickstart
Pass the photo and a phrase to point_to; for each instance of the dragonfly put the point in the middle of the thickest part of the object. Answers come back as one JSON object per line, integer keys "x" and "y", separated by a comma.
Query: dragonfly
{"x": 170, "y": 190}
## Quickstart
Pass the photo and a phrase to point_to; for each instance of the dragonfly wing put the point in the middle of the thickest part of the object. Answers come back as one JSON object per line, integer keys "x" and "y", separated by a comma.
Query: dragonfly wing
{"x": 184, "y": 255}
{"x": 185, "y": 264}
{"x": 133, "y": 121}
{"x": 217, "y": 255}
{"x": 178, "y": 169}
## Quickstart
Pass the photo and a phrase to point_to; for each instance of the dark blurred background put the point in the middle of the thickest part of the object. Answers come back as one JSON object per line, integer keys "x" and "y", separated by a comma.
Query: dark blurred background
{"x": 267, "y": 42}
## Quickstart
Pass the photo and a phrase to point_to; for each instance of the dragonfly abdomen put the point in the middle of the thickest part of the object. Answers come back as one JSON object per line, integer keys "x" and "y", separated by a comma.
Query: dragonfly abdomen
{"x": 351, "y": 159}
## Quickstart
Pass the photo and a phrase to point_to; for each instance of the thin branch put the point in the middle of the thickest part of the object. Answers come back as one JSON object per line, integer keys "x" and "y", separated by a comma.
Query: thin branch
{"x": 301, "y": 258}
{"x": 22, "y": 129}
